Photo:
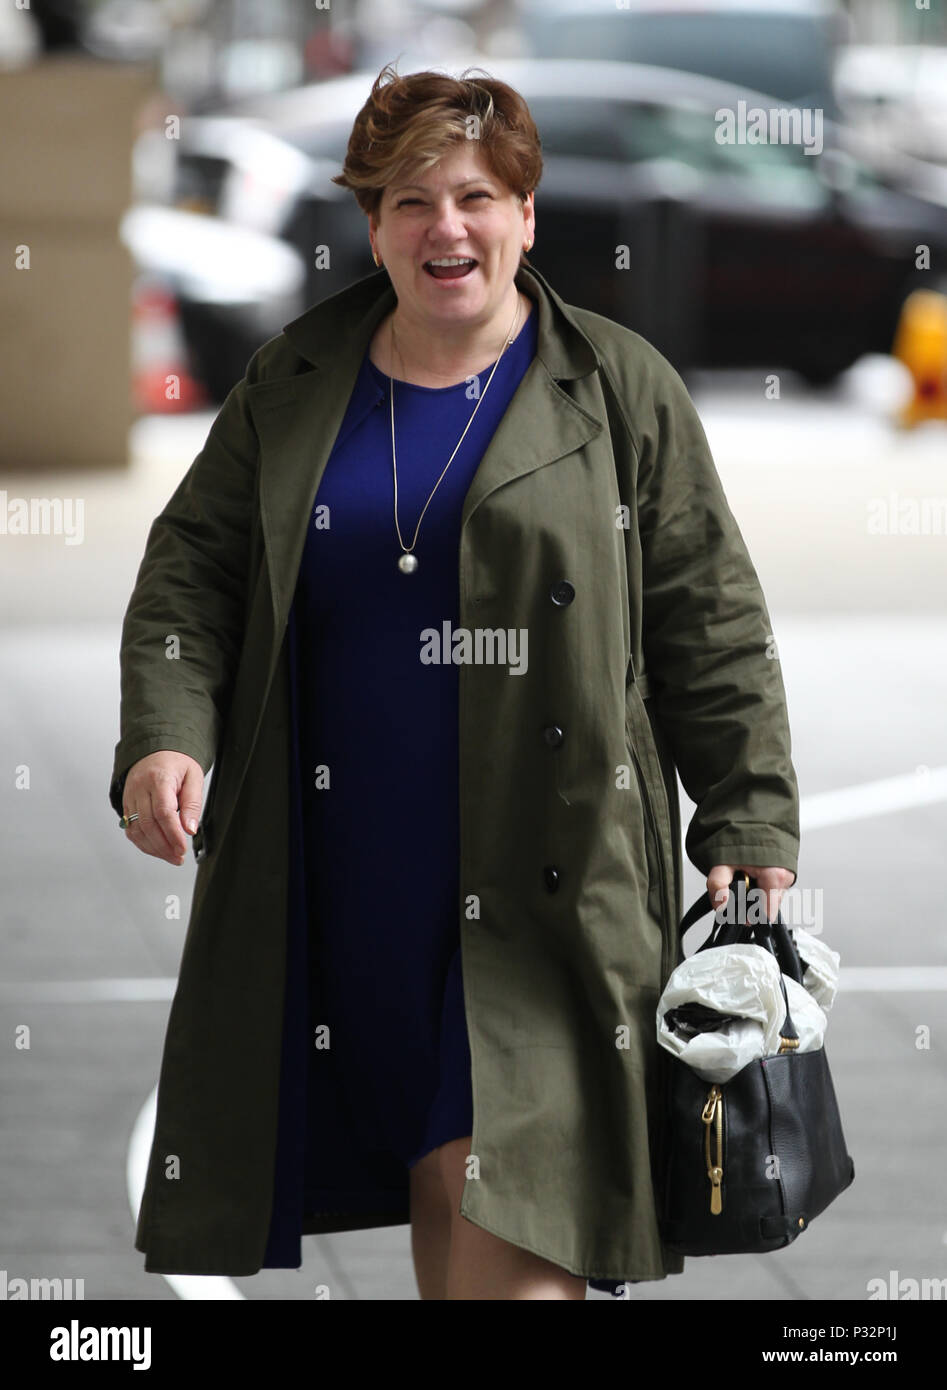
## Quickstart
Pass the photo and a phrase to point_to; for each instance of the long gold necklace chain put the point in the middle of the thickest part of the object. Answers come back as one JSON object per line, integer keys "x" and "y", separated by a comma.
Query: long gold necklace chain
{"x": 408, "y": 562}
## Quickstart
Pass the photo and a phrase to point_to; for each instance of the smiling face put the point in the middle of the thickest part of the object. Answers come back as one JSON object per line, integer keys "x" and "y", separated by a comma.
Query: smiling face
{"x": 455, "y": 210}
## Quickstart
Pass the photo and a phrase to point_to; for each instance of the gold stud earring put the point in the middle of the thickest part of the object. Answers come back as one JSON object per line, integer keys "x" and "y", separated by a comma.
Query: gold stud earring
{"x": 375, "y": 258}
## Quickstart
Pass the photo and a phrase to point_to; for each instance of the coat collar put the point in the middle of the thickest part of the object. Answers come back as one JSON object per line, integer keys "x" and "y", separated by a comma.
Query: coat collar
{"x": 355, "y": 313}
{"x": 297, "y": 418}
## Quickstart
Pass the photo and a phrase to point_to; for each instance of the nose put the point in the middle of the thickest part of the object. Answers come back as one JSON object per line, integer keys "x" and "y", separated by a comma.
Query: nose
{"x": 447, "y": 225}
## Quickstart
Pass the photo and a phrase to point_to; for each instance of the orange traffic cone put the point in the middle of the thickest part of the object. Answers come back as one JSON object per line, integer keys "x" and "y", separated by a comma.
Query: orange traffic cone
{"x": 162, "y": 380}
{"x": 920, "y": 342}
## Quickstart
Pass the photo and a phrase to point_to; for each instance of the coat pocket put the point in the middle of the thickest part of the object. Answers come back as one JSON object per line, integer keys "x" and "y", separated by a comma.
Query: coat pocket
{"x": 639, "y": 737}
{"x": 203, "y": 840}
{"x": 652, "y": 848}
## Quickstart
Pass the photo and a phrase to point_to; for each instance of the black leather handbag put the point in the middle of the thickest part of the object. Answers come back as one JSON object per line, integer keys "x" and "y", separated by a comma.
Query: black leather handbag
{"x": 748, "y": 1164}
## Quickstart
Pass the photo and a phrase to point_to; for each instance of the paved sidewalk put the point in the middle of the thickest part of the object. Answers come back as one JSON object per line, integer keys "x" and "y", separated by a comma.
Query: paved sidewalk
{"x": 867, "y": 683}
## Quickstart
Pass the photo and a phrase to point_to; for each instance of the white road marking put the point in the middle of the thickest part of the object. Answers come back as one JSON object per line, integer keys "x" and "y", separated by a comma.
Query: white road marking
{"x": 111, "y": 991}
{"x": 921, "y": 788}
{"x": 189, "y": 1286}
{"x": 892, "y": 978}
{"x": 853, "y": 977}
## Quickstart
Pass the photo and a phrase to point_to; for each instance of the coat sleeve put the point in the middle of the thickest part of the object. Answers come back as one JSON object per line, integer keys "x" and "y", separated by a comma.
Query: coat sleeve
{"x": 183, "y": 627}
{"x": 708, "y": 646}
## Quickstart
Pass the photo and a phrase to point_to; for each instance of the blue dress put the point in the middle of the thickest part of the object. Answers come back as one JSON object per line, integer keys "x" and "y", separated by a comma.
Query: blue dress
{"x": 375, "y": 970}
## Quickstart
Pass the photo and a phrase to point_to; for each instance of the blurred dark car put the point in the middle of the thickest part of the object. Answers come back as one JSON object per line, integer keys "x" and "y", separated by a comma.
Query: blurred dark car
{"x": 226, "y": 288}
{"x": 736, "y": 254}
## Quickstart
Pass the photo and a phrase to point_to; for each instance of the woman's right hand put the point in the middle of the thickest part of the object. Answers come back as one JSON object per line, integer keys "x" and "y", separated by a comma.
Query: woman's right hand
{"x": 166, "y": 789}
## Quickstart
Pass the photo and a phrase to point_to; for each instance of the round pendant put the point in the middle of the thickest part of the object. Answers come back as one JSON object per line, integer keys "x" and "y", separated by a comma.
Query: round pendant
{"x": 407, "y": 564}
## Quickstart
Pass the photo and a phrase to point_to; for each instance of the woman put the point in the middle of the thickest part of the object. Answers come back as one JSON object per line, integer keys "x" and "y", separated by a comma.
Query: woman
{"x": 455, "y": 588}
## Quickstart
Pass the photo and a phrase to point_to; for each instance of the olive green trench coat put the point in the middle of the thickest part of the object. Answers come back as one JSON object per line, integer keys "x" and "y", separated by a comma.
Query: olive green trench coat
{"x": 596, "y": 524}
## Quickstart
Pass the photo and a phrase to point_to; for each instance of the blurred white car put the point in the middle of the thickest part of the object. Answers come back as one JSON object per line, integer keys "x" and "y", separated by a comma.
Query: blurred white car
{"x": 896, "y": 94}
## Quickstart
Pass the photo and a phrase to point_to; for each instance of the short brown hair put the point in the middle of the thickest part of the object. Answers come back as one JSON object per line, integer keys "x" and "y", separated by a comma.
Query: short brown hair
{"x": 409, "y": 122}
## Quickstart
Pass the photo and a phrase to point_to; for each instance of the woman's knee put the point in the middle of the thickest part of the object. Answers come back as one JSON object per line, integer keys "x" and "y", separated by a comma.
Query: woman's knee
{"x": 426, "y": 1181}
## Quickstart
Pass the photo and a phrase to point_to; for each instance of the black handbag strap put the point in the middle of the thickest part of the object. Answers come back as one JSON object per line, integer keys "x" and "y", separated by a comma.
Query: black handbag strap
{"x": 772, "y": 936}
{"x": 699, "y": 909}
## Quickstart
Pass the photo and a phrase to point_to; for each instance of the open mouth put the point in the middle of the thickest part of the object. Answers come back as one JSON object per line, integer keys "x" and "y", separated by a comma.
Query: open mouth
{"x": 450, "y": 267}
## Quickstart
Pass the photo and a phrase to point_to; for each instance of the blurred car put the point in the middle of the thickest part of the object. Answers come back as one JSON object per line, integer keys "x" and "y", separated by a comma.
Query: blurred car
{"x": 784, "y": 47}
{"x": 737, "y": 254}
{"x": 896, "y": 93}
{"x": 228, "y": 287}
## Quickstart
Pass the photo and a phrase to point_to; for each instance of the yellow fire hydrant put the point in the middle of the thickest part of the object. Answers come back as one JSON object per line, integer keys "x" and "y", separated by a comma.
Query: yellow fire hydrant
{"x": 920, "y": 342}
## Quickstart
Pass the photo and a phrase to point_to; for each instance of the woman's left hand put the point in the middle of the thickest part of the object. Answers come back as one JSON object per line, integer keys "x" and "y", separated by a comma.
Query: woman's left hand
{"x": 773, "y": 883}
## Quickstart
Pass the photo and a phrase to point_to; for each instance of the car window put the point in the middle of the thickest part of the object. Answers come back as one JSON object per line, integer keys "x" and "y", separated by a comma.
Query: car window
{"x": 320, "y": 141}
{"x": 630, "y": 132}
{"x": 782, "y": 54}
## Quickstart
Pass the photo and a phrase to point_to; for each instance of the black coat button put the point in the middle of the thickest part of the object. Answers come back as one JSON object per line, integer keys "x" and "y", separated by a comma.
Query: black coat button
{"x": 551, "y": 875}
{"x": 562, "y": 593}
{"x": 553, "y": 735}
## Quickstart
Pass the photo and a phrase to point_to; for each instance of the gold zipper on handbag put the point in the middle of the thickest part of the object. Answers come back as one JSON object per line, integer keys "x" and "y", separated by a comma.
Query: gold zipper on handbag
{"x": 713, "y": 1111}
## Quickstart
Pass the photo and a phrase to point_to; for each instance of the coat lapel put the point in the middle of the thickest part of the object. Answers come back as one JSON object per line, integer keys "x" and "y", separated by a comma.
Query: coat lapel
{"x": 297, "y": 418}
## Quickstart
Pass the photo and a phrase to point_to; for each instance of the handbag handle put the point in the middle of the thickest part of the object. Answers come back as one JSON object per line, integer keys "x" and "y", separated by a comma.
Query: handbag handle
{"x": 772, "y": 936}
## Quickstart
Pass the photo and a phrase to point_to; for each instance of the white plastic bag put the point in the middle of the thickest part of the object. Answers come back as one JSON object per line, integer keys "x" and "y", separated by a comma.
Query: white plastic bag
{"x": 822, "y": 965}
{"x": 744, "y": 981}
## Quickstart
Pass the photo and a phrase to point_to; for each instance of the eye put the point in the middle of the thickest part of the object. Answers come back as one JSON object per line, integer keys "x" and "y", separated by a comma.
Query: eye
{"x": 407, "y": 202}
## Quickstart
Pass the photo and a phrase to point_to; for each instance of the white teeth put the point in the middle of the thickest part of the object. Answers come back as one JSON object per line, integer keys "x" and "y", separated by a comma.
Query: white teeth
{"x": 452, "y": 260}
